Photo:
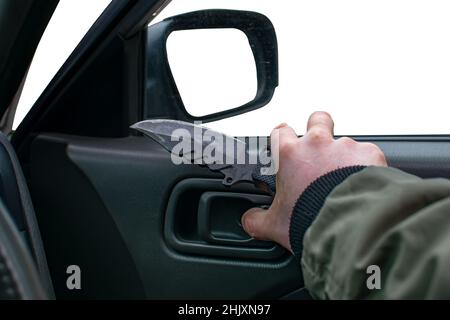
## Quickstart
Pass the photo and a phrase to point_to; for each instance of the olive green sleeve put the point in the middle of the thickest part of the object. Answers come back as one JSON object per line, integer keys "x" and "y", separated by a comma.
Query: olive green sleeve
{"x": 385, "y": 218}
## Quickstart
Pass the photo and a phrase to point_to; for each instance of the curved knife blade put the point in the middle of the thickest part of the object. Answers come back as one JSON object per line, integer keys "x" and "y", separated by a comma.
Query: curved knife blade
{"x": 230, "y": 156}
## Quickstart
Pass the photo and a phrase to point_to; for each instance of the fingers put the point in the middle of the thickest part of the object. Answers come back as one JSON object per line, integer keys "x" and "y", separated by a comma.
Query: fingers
{"x": 374, "y": 153}
{"x": 320, "y": 124}
{"x": 282, "y": 134}
{"x": 264, "y": 225}
{"x": 254, "y": 222}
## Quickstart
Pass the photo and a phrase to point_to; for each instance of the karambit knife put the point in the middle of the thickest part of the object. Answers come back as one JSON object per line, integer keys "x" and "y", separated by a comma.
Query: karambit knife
{"x": 230, "y": 156}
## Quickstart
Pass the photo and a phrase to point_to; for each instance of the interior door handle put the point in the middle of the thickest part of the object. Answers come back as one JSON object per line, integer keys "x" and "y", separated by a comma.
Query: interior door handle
{"x": 203, "y": 218}
{"x": 219, "y": 217}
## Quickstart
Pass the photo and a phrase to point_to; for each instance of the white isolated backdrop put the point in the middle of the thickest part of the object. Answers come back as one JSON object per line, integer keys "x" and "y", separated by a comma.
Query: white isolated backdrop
{"x": 70, "y": 22}
{"x": 379, "y": 67}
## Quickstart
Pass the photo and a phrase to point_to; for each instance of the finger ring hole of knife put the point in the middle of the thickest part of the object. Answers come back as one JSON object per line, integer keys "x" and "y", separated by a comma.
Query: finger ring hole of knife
{"x": 228, "y": 180}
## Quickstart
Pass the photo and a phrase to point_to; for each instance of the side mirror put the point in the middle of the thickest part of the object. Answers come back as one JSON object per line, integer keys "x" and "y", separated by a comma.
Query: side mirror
{"x": 162, "y": 96}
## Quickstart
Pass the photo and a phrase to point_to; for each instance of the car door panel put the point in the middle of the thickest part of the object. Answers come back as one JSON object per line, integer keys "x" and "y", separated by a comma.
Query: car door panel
{"x": 102, "y": 204}
{"x": 105, "y": 204}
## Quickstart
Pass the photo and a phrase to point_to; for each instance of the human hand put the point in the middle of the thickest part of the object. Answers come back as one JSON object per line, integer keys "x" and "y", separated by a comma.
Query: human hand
{"x": 301, "y": 161}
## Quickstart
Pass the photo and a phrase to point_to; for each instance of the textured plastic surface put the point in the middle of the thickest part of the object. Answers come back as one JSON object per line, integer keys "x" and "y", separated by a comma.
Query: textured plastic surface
{"x": 103, "y": 203}
{"x": 183, "y": 235}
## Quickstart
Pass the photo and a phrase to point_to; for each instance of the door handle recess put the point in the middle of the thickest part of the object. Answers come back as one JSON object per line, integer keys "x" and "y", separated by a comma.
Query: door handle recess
{"x": 203, "y": 219}
{"x": 219, "y": 217}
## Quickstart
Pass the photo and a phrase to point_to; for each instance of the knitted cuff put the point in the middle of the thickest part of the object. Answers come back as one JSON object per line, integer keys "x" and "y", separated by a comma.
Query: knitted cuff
{"x": 311, "y": 202}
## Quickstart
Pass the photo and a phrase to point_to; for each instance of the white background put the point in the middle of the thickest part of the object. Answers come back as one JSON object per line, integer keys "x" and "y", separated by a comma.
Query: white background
{"x": 70, "y": 22}
{"x": 379, "y": 67}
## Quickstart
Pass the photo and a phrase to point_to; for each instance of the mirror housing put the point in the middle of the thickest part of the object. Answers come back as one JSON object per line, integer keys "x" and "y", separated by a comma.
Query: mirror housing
{"x": 162, "y": 98}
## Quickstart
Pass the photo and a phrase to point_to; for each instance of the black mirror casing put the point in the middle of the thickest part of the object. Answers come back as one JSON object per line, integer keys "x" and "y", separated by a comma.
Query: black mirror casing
{"x": 162, "y": 98}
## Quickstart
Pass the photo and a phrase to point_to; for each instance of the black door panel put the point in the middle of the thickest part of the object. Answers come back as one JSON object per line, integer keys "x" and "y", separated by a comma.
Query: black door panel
{"x": 102, "y": 204}
{"x": 135, "y": 223}
{"x": 203, "y": 218}
{"x": 427, "y": 159}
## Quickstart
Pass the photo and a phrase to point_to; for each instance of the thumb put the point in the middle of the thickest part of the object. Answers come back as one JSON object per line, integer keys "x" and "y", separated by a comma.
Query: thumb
{"x": 254, "y": 222}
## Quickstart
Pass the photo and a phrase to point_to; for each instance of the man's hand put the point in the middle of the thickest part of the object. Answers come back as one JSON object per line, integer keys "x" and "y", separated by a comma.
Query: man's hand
{"x": 301, "y": 161}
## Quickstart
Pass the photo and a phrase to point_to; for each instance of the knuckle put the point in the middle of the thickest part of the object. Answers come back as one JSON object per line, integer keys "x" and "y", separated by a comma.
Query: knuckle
{"x": 346, "y": 141}
{"x": 318, "y": 134}
{"x": 380, "y": 157}
{"x": 286, "y": 148}
{"x": 373, "y": 148}
{"x": 375, "y": 152}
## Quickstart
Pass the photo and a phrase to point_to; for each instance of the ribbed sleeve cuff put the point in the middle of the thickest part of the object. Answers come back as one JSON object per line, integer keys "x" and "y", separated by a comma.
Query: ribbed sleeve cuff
{"x": 311, "y": 202}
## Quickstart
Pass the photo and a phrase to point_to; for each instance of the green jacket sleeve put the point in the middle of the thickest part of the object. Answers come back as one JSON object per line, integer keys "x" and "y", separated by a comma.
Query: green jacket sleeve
{"x": 378, "y": 218}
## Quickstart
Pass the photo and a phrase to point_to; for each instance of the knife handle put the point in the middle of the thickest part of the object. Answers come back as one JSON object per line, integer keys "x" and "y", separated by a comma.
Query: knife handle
{"x": 269, "y": 180}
